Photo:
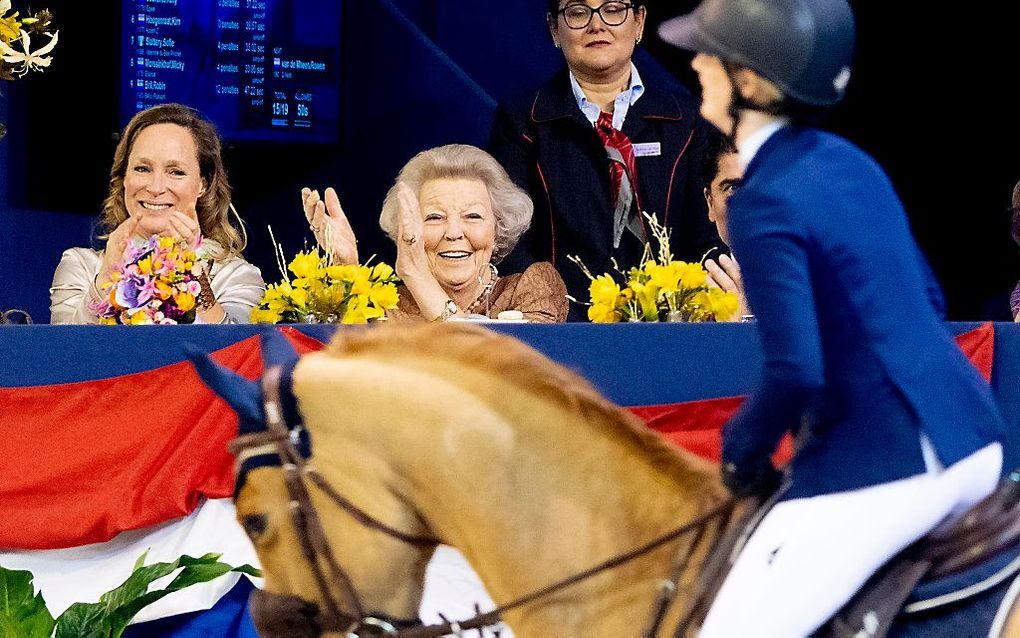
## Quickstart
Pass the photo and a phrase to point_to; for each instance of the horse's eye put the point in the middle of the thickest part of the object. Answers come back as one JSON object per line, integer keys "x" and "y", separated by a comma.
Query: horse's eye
{"x": 255, "y": 525}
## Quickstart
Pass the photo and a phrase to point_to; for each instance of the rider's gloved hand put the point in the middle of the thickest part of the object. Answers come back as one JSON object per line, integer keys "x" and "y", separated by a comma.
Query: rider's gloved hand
{"x": 756, "y": 478}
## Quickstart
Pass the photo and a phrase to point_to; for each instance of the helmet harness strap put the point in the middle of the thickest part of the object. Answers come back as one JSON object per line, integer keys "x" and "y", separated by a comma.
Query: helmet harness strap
{"x": 738, "y": 102}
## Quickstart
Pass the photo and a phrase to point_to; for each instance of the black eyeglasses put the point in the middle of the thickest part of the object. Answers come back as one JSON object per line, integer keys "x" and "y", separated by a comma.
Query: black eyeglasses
{"x": 579, "y": 16}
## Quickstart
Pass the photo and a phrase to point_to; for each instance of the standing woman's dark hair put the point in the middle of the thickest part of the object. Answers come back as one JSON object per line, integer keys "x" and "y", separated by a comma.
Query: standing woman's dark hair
{"x": 213, "y": 207}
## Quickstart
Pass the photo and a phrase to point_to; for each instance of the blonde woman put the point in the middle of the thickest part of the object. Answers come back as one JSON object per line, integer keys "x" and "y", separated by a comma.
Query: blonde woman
{"x": 454, "y": 214}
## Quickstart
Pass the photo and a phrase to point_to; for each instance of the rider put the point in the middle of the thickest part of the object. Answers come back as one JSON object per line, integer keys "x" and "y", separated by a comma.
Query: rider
{"x": 897, "y": 431}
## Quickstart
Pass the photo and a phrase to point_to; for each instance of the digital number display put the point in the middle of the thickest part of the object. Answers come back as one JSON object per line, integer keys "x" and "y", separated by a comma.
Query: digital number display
{"x": 261, "y": 70}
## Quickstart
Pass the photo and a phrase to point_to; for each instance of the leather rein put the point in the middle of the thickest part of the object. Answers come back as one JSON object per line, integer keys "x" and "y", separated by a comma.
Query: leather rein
{"x": 283, "y": 441}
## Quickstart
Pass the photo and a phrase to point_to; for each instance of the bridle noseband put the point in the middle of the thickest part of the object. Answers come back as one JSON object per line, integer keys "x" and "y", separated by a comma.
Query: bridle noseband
{"x": 283, "y": 441}
{"x": 310, "y": 531}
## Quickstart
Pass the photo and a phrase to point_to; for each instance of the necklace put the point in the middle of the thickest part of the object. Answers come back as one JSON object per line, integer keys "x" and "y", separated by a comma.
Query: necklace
{"x": 486, "y": 291}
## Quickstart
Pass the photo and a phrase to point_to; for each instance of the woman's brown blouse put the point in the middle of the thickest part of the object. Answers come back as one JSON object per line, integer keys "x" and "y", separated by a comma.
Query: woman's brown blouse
{"x": 538, "y": 292}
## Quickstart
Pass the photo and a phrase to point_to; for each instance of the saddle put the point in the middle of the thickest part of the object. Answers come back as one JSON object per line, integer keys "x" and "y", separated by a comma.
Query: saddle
{"x": 955, "y": 561}
{"x": 934, "y": 571}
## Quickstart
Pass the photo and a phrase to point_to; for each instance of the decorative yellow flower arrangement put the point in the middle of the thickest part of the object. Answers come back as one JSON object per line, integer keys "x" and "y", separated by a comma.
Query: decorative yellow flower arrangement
{"x": 323, "y": 292}
{"x": 661, "y": 289}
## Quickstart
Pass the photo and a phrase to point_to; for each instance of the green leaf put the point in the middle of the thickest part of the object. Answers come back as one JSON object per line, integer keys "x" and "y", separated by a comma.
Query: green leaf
{"x": 198, "y": 574}
{"x": 196, "y": 571}
{"x": 23, "y": 613}
{"x": 38, "y": 621}
{"x": 109, "y": 617}
{"x": 249, "y": 570}
{"x": 84, "y": 620}
{"x": 140, "y": 561}
{"x": 136, "y": 585}
{"x": 205, "y": 572}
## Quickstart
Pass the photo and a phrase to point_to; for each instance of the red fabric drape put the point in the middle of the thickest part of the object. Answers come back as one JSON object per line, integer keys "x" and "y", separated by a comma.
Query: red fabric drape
{"x": 82, "y": 462}
{"x": 696, "y": 425}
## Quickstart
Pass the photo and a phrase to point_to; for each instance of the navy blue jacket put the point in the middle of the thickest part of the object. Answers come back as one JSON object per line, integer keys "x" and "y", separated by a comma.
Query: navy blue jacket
{"x": 550, "y": 149}
{"x": 854, "y": 348}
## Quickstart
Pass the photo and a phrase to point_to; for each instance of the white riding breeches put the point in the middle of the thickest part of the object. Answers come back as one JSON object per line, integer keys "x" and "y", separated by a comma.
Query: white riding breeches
{"x": 810, "y": 555}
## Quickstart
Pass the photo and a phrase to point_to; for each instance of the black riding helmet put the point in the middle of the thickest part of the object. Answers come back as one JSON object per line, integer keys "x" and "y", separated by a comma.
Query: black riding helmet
{"x": 803, "y": 46}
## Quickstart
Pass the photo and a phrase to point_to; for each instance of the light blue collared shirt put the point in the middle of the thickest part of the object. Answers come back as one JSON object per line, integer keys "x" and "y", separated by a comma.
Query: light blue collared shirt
{"x": 621, "y": 105}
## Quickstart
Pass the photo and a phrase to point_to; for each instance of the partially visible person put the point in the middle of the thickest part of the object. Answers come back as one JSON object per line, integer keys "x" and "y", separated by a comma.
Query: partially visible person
{"x": 599, "y": 144}
{"x": 453, "y": 214}
{"x": 897, "y": 432}
{"x": 1014, "y": 299}
{"x": 721, "y": 174}
{"x": 167, "y": 179}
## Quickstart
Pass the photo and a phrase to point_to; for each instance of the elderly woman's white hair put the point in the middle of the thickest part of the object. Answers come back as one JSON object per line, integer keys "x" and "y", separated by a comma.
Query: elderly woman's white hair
{"x": 511, "y": 206}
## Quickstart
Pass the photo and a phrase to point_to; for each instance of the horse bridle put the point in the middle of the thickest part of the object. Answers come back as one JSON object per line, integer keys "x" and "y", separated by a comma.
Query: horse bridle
{"x": 283, "y": 441}
{"x": 315, "y": 546}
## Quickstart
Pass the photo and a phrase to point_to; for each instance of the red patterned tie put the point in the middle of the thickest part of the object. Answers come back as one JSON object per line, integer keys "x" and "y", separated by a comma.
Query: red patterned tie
{"x": 622, "y": 174}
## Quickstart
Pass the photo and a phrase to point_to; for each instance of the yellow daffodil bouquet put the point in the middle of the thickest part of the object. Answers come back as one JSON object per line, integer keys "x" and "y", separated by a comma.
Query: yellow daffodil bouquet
{"x": 16, "y": 33}
{"x": 321, "y": 291}
{"x": 661, "y": 289}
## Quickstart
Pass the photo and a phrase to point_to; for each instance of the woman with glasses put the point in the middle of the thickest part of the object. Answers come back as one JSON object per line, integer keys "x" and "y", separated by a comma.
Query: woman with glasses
{"x": 600, "y": 143}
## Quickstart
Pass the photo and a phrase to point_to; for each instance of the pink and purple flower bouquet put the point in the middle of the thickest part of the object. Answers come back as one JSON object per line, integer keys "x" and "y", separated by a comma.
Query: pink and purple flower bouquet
{"x": 157, "y": 282}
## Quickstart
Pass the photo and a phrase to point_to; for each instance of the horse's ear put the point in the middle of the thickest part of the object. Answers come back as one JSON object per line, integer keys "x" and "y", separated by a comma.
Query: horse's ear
{"x": 277, "y": 349}
{"x": 241, "y": 394}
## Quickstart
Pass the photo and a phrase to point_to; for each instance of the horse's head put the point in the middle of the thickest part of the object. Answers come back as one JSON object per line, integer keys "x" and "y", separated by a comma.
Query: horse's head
{"x": 340, "y": 552}
{"x": 445, "y": 431}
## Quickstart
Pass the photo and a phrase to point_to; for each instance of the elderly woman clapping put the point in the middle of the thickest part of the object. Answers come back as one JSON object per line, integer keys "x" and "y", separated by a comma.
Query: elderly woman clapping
{"x": 454, "y": 214}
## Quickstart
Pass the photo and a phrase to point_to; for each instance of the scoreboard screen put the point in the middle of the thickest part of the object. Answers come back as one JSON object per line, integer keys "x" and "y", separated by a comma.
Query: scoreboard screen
{"x": 261, "y": 70}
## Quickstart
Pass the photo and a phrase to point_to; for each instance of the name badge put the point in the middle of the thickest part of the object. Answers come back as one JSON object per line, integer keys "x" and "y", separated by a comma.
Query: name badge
{"x": 647, "y": 149}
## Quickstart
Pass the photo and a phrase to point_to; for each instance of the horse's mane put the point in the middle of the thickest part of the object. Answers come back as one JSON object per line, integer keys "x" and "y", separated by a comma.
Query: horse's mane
{"x": 508, "y": 359}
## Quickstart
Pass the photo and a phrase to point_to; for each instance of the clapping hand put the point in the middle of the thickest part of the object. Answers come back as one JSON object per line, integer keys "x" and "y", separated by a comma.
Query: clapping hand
{"x": 330, "y": 226}
{"x": 411, "y": 260}
{"x": 178, "y": 225}
{"x": 116, "y": 245}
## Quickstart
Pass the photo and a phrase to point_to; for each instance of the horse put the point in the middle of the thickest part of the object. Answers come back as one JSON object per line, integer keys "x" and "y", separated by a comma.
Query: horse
{"x": 449, "y": 433}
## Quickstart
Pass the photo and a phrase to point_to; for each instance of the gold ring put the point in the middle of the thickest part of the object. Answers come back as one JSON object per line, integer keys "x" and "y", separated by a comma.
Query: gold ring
{"x": 410, "y": 240}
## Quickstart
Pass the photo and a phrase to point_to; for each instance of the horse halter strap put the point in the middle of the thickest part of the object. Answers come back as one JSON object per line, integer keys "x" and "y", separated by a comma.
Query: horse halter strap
{"x": 311, "y": 533}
